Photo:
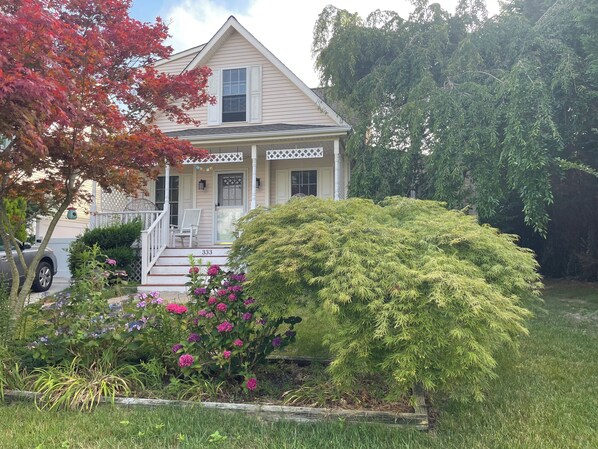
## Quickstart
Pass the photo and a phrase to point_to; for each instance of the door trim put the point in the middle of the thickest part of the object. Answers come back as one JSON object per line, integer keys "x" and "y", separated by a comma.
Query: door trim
{"x": 215, "y": 199}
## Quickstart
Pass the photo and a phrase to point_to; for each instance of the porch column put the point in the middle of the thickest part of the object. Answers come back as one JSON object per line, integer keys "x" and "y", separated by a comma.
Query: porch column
{"x": 337, "y": 169}
{"x": 253, "y": 176}
{"x": 166, "y": 236}
{"x": 267, "y": 184}
{"x": 94, "y": 205}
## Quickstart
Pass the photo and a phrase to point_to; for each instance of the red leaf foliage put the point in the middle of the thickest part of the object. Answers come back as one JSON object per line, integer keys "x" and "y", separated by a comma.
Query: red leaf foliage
{"x": 78, "y": 92}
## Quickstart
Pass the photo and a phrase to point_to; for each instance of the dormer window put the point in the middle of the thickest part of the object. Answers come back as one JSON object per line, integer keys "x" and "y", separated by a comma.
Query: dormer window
{"x": 234, "y": 95}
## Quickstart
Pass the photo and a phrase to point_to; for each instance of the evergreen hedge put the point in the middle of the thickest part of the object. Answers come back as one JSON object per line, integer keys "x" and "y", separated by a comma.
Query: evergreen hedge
{"x": 418, "y": 292}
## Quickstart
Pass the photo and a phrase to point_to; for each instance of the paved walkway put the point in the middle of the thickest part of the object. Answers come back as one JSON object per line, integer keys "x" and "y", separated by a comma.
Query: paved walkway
{"x": 58, "y": 284}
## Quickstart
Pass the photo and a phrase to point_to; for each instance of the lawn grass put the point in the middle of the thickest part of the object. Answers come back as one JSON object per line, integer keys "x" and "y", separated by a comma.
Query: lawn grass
{"x": 547, "y": 397}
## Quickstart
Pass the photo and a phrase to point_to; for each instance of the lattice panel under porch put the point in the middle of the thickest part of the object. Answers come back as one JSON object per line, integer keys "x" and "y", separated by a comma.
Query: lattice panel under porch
{"x": 295, "y": 153}
{"x": 113, "y": 201}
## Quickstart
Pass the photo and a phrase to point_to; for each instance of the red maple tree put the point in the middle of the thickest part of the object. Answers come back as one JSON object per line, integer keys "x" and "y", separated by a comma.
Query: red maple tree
{"x": 78, "y": 92}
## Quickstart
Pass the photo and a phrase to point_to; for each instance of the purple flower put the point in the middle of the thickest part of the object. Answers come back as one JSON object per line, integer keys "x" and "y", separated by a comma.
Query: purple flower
{"x": 239, "y": 277}
{"x": 226, "y": 354}
{"x": 200, "y": 291}
{"x": 141, "y": 304}
{"x": 248, "y": 302}
{"x": 186, "y": 360}
{"x": 192, "y": 338}
{"x": 202, "y": 312}
{"x": 157, "y": 301}
{"x": 210, "y": 315}
{"x": 236, "y": 288}
{"x": 251, "y": 383}
{"x": 213, "y": 270}
{"x": 111, "y": 262}
{"x": 221, "y": 307}
{"x": 246, "y": 316}
{"x": 142, "y": 296}
{"x": 176, "y": 348}
{"x": 225, "y": 326}
{"x": 290, "y": 333}
{"x": 277, "y": 341}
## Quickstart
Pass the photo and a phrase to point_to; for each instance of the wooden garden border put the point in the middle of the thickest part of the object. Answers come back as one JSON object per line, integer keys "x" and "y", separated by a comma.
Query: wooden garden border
{"x": 417, "y": 420}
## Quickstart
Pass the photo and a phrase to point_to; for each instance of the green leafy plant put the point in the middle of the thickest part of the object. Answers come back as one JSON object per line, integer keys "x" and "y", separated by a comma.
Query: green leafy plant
{"x": 74, "y": 386}
{"x": 418, "y": 293}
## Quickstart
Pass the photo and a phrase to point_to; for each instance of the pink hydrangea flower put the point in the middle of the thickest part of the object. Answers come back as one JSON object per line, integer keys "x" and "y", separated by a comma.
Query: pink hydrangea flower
{"x": 225, "y": 326}
{"x": 251, "y": 383}
{"x": 221, "y": 307}
{"x": 238, "y": 342}
{"x": 213, "y": 270}
{"x": 111, "y": 262}
{"x": 178, "y": 309}
{"x": 226, "y": 354}
{"x": 212, "y": 300}
{"x": 186, "y": 360}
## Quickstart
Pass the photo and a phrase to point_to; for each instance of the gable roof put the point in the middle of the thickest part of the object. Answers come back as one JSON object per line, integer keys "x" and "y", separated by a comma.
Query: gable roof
{"x": 232, "y": 25}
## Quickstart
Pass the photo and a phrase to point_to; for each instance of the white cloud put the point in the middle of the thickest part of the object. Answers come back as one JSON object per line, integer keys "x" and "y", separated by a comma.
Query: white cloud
{"x": 285, "y": 27}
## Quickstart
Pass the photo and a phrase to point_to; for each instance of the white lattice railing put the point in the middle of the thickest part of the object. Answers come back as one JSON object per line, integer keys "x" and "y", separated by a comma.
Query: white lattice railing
{"x": 104, "y": 219}
{"x": 217, "y": 158}
{"x": 153, "y": 241}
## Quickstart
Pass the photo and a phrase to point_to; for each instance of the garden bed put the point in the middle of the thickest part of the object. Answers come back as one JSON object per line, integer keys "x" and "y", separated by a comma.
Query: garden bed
{"x": 418, "y": 419}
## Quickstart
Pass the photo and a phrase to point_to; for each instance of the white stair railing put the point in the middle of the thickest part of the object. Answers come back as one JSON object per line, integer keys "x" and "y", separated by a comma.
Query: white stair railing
{"x": 153, "y": 242}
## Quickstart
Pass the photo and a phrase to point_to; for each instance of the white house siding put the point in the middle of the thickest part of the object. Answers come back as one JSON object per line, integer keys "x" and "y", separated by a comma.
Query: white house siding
{"x": 176, "y": 65}
{"x": 282, "y": 100}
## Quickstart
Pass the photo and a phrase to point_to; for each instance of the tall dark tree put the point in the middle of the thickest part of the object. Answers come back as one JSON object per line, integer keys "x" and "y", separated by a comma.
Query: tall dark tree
{"x": 499, "y": 113}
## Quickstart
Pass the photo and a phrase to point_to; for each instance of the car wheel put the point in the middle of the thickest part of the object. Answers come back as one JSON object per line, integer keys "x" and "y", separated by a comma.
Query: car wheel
{"x": 43, "y": 277}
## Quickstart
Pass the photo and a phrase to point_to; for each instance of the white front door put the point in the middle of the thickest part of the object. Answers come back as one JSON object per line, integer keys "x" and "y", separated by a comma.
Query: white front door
{"x": 230, "y": 205}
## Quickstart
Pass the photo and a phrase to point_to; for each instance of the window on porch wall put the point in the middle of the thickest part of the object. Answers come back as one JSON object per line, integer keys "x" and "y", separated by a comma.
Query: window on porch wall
{"x": 174, "y": 197}
{"x": 304, "y": 182}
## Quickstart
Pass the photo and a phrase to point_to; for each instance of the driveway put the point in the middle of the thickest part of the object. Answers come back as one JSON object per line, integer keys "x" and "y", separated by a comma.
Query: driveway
{"x": 58, "y": 285}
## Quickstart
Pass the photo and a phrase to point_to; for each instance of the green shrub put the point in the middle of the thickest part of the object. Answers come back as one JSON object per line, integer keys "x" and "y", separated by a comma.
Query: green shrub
{"x": 417, "y": 292}
{"x": 114, "y": 242}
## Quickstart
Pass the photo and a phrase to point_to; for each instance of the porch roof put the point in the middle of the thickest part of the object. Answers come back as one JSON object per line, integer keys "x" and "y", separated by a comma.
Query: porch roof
{"x": 258, "y": 132}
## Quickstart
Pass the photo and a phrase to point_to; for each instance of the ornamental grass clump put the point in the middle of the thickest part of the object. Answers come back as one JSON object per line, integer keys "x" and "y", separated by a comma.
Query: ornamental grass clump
{"x": 422, "y": 294}
{"x": 228, "y": 334}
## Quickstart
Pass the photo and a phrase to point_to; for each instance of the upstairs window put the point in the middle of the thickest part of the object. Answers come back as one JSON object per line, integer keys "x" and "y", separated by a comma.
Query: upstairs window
{"x": 304, "y": 182}
{"x": 234, "y": 95}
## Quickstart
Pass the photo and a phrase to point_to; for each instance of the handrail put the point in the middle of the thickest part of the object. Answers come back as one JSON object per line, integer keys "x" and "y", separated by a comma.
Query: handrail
{"x": 153, "y": 242}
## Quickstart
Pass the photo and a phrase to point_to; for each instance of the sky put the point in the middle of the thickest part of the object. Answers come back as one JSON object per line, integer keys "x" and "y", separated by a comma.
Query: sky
{"x": 284, "y": 27}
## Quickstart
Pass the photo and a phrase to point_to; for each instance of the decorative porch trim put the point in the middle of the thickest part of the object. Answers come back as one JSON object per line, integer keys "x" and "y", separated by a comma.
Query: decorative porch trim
{"x": 217, "y": 158}
{"x": 295, "y": 153}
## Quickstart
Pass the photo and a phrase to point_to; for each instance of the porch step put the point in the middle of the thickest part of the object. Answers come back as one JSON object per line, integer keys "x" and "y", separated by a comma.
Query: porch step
{"x": 178, "y": 269}
{"x": 146, "y": 288}
{"x": 202, "y": 252}
{"x": 184, "y": 260}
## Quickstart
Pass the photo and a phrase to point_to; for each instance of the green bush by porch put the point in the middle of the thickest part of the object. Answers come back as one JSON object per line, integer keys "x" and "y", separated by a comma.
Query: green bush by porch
{"x": 421, "y": 293}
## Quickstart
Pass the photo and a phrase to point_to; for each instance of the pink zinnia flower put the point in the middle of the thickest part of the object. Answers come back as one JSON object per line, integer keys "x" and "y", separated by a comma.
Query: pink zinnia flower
{"x": 213, "y": 270}
{"x": 221, "y": 307}
{"x": 248, "y": 301}
{"x": 210, "y": 315}
{"x": 226, "y": 354}
{"x": 179, "y": 309}
{"x": 202, "y": 312}
{"x": 232, "y": 297}
{"x": 221, "y": 292}
{"x": 238, "y": 342}
{"x": 251, "y": 383}
{"x": 225, "y": 326}
{"x": 212, "y": 300}
{"x": 246, "y": 316}
{"x": 111, "y": 262}
{"x": 194, "y": 270}
{"x": 186, "y": 360}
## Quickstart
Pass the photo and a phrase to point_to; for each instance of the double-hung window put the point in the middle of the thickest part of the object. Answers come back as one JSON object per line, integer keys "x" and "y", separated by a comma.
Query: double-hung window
{"x": 234, "y": 95}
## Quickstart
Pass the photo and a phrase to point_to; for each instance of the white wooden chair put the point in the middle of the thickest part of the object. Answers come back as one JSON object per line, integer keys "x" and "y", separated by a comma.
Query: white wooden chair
{"x": 189, "y": 226}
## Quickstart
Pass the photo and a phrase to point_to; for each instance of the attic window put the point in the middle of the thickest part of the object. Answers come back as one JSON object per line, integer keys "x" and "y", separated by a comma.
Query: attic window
{"x": 234, "y": 95}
